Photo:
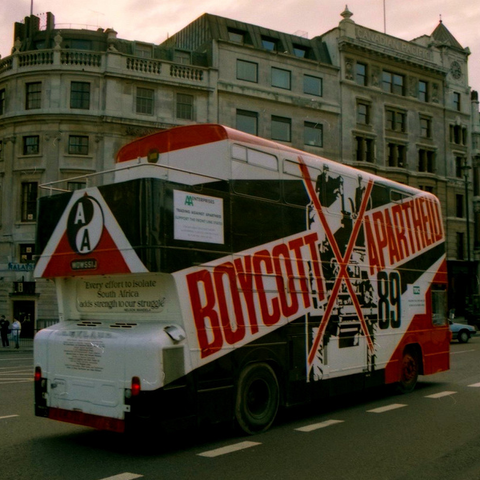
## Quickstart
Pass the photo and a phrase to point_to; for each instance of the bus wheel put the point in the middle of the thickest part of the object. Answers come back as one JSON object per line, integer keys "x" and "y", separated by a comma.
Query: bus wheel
{"x": 409, "y": 371}
{"x": 257, "y": 399}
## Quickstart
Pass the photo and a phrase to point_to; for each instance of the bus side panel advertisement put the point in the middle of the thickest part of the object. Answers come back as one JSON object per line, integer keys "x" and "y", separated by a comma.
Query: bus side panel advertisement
{"x": 352, "y": 271}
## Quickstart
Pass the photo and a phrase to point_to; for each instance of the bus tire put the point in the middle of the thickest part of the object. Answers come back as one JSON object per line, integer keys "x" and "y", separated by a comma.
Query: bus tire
{"x": 258, "y": 398}
{"x": 409, "y": 370}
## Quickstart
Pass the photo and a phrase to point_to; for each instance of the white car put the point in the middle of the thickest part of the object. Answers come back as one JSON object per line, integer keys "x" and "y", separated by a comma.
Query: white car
{"x": 461, "y": 332}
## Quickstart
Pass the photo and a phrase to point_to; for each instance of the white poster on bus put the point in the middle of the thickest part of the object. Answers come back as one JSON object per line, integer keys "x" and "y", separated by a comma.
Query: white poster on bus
{"x": 198, "y": 218}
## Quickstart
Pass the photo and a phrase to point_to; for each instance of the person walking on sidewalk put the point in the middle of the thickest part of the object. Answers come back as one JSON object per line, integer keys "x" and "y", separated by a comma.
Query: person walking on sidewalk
{"x": 16, "y": 329}
{"x": 4, "y": 330}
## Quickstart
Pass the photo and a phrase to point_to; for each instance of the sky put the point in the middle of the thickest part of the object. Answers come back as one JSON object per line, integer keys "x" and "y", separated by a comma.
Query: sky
{"x": 153, "y": 21}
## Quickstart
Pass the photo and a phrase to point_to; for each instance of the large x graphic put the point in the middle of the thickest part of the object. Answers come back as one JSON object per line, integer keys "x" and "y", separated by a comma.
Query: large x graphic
{"x": 342, "y": 262}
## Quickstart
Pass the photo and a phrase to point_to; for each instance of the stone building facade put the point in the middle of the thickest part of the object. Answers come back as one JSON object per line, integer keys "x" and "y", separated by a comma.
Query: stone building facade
{"x": 407, "y": 115}
{"x": 70, "y": 98}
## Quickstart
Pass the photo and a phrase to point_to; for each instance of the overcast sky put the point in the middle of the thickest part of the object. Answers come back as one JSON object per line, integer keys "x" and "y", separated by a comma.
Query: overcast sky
{"x": 153, "y": 20}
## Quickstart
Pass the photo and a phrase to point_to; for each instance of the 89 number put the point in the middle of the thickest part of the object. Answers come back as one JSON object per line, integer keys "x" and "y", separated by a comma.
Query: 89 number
{"x": 389, "y": 300}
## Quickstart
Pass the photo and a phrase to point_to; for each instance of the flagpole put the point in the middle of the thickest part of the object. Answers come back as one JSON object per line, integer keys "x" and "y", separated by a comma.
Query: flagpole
{"x": 384, "y": 18}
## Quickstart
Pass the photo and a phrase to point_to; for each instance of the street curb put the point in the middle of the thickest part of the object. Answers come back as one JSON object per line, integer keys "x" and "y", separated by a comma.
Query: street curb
{"x": 15, "y": 351}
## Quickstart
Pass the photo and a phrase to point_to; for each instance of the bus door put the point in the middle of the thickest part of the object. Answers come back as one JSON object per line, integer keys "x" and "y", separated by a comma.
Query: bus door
{"x": 347, "y": 348}
{"x": 343, "y": 349}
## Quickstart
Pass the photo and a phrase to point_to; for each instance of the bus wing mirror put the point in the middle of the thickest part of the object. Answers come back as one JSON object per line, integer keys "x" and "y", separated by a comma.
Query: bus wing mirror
{"x": 176, "y": 333}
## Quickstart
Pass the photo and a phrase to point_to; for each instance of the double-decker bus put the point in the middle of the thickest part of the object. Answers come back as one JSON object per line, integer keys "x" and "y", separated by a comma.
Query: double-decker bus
{"x": 219, "y": 276}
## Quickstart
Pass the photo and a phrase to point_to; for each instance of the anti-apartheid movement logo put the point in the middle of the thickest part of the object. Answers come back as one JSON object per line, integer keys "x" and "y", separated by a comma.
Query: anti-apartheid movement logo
{"x": 85, "y": 225}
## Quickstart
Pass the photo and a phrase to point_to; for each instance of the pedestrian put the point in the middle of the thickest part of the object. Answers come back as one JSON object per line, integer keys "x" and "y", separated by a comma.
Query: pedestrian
{"x": 16, "y": 329}
{"x": 4, "y": 330}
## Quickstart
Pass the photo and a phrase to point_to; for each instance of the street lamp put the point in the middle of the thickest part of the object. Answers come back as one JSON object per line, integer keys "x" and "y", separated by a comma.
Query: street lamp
{"x": 466, "y": 168}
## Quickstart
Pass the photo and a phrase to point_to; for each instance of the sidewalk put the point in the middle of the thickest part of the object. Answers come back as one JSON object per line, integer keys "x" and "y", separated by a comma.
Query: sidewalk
{"x": 25, "y": 345}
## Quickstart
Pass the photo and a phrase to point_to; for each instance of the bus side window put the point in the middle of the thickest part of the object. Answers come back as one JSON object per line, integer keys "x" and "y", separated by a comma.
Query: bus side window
{"x": 439, "y": 305}
{"x": 294, "y": 190}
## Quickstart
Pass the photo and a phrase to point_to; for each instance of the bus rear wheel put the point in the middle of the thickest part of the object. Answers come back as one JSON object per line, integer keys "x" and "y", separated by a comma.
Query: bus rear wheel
{"x": 258, "y": 397}
{"x": 409, "y": 371}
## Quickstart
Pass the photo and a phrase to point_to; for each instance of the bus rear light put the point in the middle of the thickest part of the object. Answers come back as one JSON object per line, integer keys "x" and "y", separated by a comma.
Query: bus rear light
{"x": 38, "y": 374}
{"x": 136, "y": 386}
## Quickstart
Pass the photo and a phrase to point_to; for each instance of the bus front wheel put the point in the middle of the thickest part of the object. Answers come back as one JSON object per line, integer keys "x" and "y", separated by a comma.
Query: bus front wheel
{"x": 258, "y": 398}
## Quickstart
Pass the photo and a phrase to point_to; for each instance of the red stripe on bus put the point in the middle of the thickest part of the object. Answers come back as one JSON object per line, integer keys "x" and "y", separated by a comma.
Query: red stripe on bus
{"x": 87, "y": 420}
{"x": 179, "y": 138}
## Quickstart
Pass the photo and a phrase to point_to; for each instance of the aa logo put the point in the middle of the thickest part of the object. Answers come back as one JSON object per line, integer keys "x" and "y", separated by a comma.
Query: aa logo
{"x": 85, "y": 225}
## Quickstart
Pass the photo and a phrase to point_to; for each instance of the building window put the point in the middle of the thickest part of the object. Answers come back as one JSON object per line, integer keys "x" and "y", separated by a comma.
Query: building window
{"x": 29, "y": 201}
{"x": 184, "y": 106}
{"x": 143, "y": 51}
{"x": 425, "y": 127}
{"x": 459, "y": 163}
{"x": 363, "y": 113}
{"x": 395, "y": 120}
{"x": 302, "y": 52}
{"x": 396, "y": 155}
{"x": 78, "y": 145}
{"x": 458, "y": 134}
{"x": 33, "y": 95}
{"x": 271, "y": 44}
{"x": 184, "y": 58}
{"x": 426, "y": 160}
{"x": 31, "y": 145}
{"x": 460, "y": 246}
{"x": 247, "y": 71}
{"x": 72, "y": 186}
{"x": 27, "y": 251}
{"x": 312, "y": 85}
{"x": 79, "y": 44}
{"x": 313, "y": 134}
{"x": 427, "y": 188}
{"x": 2, "y": 101}
{"x": 238, "y": 36}
{"x": 476, "y": 181}
{"x": 247, "y": 122}
{"x": 80, "y": 95}
{"x": 364, "y": 149}
{"x": 423, "y": 91}
{"x": 456, "y": 101}
{"x": 393, "y": 83}
{"x": 144, "y": 103}
{"x": 281, "y": 78}
{"x": 459, "y": 206}
{"x": 477, "y": 230}
{"x": 361, "y": 74}
{"x": 281, "y": 129}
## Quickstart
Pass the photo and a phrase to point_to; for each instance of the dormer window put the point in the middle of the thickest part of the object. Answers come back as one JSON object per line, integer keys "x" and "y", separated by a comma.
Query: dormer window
{"x": 271, "y": 44}
{"x": 143, "y": 51}
{"x": 239, "y": 36}
{"x": 236, "y": 36}
{"x": 78, "y": 44}
{"x": 182, "y": 57}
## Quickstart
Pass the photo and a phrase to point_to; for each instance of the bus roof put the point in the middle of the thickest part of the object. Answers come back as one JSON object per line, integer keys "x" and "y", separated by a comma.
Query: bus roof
{"x": 187, "y": 136}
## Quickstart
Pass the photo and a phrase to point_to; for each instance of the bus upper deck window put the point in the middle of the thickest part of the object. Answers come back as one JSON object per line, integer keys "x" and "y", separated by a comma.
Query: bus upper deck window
{"x": 239, "y": 153}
